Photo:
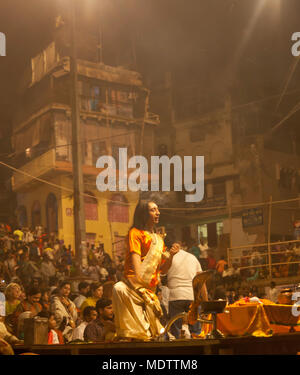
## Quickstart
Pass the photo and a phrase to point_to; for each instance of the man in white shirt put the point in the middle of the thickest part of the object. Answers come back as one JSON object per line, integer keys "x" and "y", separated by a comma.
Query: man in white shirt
{"x": 184, "y": 268}
{"x": 89, "y": 314}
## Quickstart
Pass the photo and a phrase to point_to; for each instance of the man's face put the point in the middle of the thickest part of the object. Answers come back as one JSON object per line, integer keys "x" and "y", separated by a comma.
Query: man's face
{"x": 65, "y": 290}
{"x": 107, "y": 312}
{"x": 98, "y": 293}
{"x": 85, "y": 291}
{"x": 35, "y": 298}
{"x": 153, "y": 213}
{"x": 46, "y": 297}
{"x": 93, "y": 315}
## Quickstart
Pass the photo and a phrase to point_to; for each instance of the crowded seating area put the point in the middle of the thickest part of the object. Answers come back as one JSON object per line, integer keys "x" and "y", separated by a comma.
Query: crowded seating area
{"x": 39, "y": 278}
{"x": 257, "y": 262}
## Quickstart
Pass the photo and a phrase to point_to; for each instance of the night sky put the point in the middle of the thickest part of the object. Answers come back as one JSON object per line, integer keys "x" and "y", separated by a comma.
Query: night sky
{"x": 218, "y": 44}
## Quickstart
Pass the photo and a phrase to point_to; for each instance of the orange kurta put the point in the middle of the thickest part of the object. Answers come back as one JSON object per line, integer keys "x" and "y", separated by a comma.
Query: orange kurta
{"x": 139, "y": 242}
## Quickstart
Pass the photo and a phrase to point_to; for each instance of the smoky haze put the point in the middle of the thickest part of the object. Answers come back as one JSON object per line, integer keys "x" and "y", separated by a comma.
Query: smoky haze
{"x": 218, "y": 44}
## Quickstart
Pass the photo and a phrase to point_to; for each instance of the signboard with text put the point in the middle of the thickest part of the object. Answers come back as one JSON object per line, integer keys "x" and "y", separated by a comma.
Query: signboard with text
{"x": 252, "y": 217}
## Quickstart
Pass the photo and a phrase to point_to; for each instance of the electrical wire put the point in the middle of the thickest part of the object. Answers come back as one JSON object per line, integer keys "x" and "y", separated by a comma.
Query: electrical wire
{"x": 245, "y": 205}
{"x": 237, "y": 107}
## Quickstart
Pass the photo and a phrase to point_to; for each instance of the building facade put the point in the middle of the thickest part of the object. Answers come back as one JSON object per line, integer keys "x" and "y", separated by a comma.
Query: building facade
{"x": 245, "y": 168}
{"x": 114, "y": 113}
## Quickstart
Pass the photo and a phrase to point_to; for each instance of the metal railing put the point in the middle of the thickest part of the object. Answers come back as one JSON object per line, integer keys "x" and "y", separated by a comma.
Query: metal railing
{"x": 270, "y": 260}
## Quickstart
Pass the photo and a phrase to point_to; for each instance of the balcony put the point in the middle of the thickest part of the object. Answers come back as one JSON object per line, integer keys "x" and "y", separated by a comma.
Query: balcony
{"x": 38, "y": 167}
{"x": 50, "y": 164}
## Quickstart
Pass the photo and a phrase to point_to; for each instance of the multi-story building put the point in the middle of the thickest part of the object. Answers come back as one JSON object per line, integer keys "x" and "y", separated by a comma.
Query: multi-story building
{"x": 243, "y": 168}
{"x": 113, "y": 114}
{"x": 7, "y": 200}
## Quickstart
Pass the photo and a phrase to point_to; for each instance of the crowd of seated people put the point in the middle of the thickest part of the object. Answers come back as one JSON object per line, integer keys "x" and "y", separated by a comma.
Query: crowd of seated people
{"x": 254, "y": 263}
{"x": 37, "y": 274}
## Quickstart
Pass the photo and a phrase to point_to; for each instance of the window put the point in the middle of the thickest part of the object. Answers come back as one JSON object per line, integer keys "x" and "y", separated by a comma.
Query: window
{"x": 95, "y": 100}
{"x": 98, "y": 149}
{"x": 119, "y": 246}
{"x": 22, "y": 216}
{"x": 219, "y": 228}
{"x": 202, "y": 231}
{"x": 52, "y": 214}
{"x": 90, "y": 207}
{"x": 211, "y": 232}
{"x": 36, "y": 214}
{"x": 118, "y": 210}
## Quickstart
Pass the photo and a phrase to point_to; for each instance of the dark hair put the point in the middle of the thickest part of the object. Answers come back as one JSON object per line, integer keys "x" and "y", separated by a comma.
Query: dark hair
{"x": 63, "y": 283}
{"x": 220, "y": 292}
{"x": 54, "y": 292}
{"x": 87, "y": 311}
{"x": 53, "y": 280}
{"x": 33, "y": 291}
{"x": 45, "y": 314}
{"x": 169, "y": 240}
{"x": 141, "y": 214}
{"x": 45, "y": 290}
{"x": 102, "y": 303}
{"x": 94, "y": 286}
{"x": 83, "y": 285}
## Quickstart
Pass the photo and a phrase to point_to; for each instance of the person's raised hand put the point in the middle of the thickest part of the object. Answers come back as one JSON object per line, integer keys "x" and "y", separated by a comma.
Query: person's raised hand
{"x": 174, "y": 248}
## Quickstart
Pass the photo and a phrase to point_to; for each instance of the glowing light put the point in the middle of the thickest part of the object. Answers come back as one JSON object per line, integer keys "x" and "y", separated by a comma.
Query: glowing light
{"x": 249, "y": 29}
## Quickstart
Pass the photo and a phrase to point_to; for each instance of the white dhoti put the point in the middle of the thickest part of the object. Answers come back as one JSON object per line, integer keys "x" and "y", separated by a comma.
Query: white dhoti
{"x": 135, "y": 317}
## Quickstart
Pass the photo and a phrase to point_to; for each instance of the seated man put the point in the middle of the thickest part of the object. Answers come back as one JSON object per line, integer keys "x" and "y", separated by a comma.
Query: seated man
{"x": 5, "y": 348}
{"x": 89, "y": 314}
{"x": 6, "y": 335}
{"x": 102, "y": 328}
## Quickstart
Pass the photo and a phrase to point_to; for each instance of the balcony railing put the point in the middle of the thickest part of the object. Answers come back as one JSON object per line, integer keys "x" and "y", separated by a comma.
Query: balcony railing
{"x": 94, "y": 104}
{"x": 215, "y": 201}
{"x": 268, "y": 260}
{"x": 35, "y": 168}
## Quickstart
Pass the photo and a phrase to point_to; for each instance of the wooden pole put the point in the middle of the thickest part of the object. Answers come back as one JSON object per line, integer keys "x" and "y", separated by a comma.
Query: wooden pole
{"x": 269, "y": 237}
{"x": 143, "y": 124}
{"x": 230, "y": 235}
{"x": 79, "y": 214}
{"x": 108, "y": 123}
